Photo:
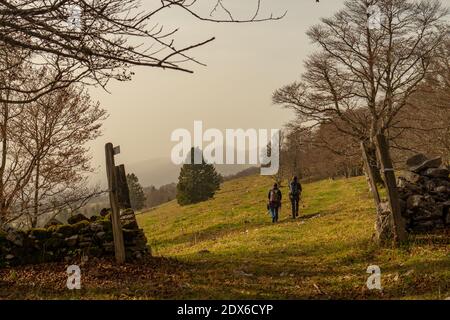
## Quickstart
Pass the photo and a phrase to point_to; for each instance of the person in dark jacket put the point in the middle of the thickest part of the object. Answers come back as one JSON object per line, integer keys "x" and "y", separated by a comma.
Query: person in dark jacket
{"x": 274, "y": 202}
{"x": 295, "y": 190}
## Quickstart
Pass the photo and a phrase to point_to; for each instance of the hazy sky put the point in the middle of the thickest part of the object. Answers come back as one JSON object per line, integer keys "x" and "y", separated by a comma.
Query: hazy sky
{"x": 245, "y": 64}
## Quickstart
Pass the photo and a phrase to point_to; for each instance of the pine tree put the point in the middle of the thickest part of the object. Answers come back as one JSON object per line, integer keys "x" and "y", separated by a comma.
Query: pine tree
{"x": 137, "y": 196}
{"x": 197, "y": 182}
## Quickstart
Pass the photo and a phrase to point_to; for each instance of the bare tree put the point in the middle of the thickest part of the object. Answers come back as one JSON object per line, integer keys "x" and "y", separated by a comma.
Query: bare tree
{"x": 358, "y": 67}
{"x": 424, "y": 126}
{"x": 43, "y": 153}
{"x": 94, "y": 41}
{"x": 320, "y": 152}
{"x": 364, "y": 73}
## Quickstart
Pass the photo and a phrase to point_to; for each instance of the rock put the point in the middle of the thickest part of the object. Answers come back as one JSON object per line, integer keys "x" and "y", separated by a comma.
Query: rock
{"x": 415, "y": 201}
{"x": 108, "y": 246}
{"x": 15, "y": 237}
{"x": 94, "y": 218}
{"x": 85, "y": 238}
{"x": 95, "y": 251}
{"x": 72, "y": 241}
{"x": 54, "y": 243}
{"x": 431, "y": 163}
{"x": 130, "y": 225}
{"x": 436, "y": 173}
{"x": 77, "y": 218}
{"x": 52, "y": 222}
{"x": 420, "y": 162}
{"x": 130, "y": 234}
{"x": 409, "y": 176}
{"x": 96, "y": 227}
{"x": 84, "y": 244}
{"x": 407, "y": 213}
{"x": 127, "y": 212}
{"x": 428, "y": 214}
{"x": 446, "y": 216}
{"x": 441, "y": 189}
{"x": 424, "y": 225}
{"x": 80, "y": 226}
{"x": 402, "y": 204}
{"x": 100, "y": 235}
{"x": 40, "y": 234}
{"x": 416, "y": 160}
{"x": 383, "y": 226}
{"x": 104, "y": 212}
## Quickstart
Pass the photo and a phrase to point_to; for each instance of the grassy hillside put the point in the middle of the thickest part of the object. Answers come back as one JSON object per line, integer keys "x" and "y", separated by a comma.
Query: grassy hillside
{"x": 232, "y": 250}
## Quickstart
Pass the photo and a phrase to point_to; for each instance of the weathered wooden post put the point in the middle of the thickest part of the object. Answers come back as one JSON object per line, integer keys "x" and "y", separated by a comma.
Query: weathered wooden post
{"x": 391, "y": 187}
{"x": 122, "y": 185}
{"x": 369, "y": 170}
{"x": 119, "y": 247}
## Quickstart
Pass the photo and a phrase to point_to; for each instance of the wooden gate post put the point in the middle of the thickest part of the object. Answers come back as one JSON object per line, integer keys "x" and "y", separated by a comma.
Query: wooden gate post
{"x": 391, "y": 187}
{"x": 370, "y": 175}
{"x": 122, "y": 185}
{"x": 119, "y": 247}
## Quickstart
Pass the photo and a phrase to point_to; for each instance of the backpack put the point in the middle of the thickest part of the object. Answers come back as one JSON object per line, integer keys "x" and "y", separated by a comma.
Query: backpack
{"x": 295, "y": 191}
{"x": 274, "y": 195}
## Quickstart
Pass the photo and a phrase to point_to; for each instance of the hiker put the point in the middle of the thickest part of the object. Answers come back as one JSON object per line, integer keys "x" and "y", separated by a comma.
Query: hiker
{"x": 295, "y": 190}
{"x": 274, "y": 202}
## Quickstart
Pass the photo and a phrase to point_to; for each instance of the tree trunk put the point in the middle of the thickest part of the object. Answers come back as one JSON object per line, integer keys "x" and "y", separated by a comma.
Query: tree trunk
{"x": 36, "y": 198}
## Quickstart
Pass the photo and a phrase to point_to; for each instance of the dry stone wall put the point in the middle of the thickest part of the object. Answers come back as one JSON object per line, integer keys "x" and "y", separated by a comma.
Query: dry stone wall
{"x": 424, "y": 190}
{"x": 63, "y": 242}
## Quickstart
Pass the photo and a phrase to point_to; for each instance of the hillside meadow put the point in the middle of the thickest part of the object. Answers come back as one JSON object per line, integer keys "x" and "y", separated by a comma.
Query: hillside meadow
{"x": 234, "y": 251}
{"x": 228, "y": 248}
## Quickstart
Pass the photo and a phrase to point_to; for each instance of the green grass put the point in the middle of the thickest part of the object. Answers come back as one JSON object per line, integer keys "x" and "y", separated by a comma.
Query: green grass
{"x": 233, "y": 251}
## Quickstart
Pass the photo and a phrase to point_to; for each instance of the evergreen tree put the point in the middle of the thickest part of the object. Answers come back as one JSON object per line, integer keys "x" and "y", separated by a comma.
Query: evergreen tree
{"x": 197, "y": 182}
{"x": 137, "y": 196}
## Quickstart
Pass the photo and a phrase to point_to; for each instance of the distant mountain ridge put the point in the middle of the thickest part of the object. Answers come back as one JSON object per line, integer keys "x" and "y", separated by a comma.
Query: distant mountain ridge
{"x": 161, "y": 171}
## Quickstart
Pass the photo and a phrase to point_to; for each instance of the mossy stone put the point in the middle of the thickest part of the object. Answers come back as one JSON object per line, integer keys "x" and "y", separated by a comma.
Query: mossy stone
{"x": 107, "y": 225}
{"x": 2, "y": 236}
{"x": 80, "y": 225}
{"x": 65, "y": 229}
{"x": 40, "y": 233}
{"x": 54, "y": 243}
{"x": 129, "y": 234}
{"x": 94, "y": 218}
{"x": 77, "y": 218}
{"x": 131, "y": 225}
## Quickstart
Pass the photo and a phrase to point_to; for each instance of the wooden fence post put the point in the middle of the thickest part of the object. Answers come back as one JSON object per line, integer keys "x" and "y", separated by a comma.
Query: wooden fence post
{"x": 122, "y": 185}
{"x": 369, "y": 168}
{"x": 391, "y": 187}
{"x": 119, "y": 247}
